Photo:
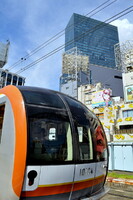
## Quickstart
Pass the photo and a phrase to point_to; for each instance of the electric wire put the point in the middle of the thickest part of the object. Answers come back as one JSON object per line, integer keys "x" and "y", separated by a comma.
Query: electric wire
{"x": 102, "y": 24}
{"x": 70, "y": 42}
{"x": 58, "y": 35}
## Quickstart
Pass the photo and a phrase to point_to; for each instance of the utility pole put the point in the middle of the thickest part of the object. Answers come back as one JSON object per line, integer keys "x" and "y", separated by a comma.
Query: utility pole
{"x": 116, "y": 118}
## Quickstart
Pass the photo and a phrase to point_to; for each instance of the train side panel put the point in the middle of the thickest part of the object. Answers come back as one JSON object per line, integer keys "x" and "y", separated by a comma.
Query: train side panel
{"x": 7, "y": 144}
{"x": 52, "y": 182}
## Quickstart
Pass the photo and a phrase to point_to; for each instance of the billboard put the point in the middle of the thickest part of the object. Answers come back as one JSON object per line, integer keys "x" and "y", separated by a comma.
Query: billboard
{"x": 129, "y": 93}
{"x": 101, "y": 98}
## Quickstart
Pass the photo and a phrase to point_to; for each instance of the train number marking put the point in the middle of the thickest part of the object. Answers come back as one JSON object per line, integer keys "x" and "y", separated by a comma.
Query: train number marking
{"x": 85, "y": 171}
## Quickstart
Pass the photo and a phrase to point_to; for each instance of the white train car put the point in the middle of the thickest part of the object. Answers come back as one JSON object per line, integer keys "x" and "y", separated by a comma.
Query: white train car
{"x": 51, "y": 147}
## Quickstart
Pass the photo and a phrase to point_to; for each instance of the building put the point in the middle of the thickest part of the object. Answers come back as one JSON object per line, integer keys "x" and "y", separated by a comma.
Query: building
{"x": 94, "y": 96}
{"x": 115, "y": 113}
{"x": 6, "y": 77}
{"x": 124, "y": 55}
{"x": 93, "y": 38}
{"x": 95, "y": 41}
{"x": 3, "y": 53}
{"x": 108, "y": 77}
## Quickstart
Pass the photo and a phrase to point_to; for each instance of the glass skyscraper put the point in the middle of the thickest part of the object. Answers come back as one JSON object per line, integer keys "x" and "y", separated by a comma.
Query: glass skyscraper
{"x": 93, "y": 38}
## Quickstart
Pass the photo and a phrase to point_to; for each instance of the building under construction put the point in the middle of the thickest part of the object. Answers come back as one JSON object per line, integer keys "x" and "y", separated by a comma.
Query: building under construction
{"x": 124, "y": 56}
{"x": 75, "y": 71}
{"x": 124, "y": 59}
{"x": 73, "y": 61}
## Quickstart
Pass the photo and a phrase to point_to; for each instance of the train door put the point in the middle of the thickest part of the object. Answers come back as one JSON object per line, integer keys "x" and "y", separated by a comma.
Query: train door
{"x": 85, "y": 168}
{"x": 85, "y": 165}
{"x": 50, "y": 166}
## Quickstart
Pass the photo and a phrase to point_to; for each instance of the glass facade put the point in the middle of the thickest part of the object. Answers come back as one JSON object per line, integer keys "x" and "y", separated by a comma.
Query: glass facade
{"x": 93, "y": 38}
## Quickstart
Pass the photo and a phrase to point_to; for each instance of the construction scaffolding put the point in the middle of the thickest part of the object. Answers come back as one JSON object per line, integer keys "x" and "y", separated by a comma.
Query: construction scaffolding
{"x": 4, "y": 53}
{"x": 73, "y": 61}
{"x": 124, "y": 56}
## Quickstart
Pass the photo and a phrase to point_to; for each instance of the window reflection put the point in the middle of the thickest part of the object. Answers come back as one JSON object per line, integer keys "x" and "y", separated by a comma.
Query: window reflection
{"x": 82, "y": 126}
{"x": 50, "y": 138}
{"x": 100, "y": 143}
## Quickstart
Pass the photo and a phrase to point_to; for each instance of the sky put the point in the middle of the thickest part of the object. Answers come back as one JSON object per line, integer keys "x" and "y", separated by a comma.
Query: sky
{"x": 28, "y": 24}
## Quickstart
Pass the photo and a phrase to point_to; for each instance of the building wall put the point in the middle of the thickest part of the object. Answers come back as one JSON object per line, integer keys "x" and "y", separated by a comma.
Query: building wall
{"x": 69, "y": 83}
{"x": 70, "y": 88}
{"x": 92, "y": 37}
{"x": 117, "y": 121}
{"x": 121, "y": 156}
{"x": 85, "y": 93}
{"x": 128, "y": 86}
{"x": 109, "y": 78}
{"x": 116, "y": 117}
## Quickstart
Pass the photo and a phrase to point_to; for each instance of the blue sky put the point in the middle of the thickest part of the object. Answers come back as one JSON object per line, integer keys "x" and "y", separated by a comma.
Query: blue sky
{"x": 28, "y": 24}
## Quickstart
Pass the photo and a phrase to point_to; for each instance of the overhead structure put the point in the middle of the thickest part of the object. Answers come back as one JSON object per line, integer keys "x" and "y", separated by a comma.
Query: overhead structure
{"x": 124, "y": 56}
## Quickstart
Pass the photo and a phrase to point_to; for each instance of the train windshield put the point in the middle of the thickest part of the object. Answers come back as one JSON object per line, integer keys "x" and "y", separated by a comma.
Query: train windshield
{"x": 50, "y": 139}
{"x": 44, "y": 98}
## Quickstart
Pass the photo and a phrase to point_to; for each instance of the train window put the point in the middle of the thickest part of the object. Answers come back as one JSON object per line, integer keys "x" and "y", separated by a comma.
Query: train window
{"x": 85, "y": 143}
{"x": 50, "y": 138}
{"x": 45, "y": 99}
{"x": 2, "y": 109}
{"x": 82, "y": 126}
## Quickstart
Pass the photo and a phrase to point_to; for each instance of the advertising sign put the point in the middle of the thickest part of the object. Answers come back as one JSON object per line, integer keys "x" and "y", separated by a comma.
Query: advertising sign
{"x": 101, "y": 98}
{"x": 129, "y": 93}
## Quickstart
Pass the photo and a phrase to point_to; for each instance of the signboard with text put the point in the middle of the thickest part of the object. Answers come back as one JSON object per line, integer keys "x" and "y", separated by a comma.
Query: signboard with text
{"x": 101, "y": 98}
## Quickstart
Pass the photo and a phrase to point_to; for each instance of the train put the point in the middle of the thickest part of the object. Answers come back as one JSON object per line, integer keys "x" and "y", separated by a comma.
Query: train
{"x": 51, "y": 147}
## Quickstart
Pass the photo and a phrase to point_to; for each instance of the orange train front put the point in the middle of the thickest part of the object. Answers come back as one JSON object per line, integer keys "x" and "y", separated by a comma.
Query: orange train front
{"x": 51, "y": 147}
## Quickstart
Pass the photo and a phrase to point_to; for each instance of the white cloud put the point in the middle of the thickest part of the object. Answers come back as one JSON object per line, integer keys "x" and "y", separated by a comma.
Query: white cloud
{"x": 125, "y": 29}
